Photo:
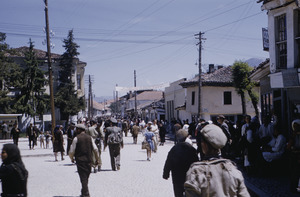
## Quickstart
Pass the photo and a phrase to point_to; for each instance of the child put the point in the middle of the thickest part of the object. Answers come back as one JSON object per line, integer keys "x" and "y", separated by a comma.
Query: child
{"x": 48, "y": 137}
{"x": 42, "y": 139}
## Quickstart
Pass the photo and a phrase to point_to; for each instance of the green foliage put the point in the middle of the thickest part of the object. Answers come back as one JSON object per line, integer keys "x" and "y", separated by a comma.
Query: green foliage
{"x": 66, "y": 98}
{"x": 10, "y": 77}
{"x": 32, "y": 100}
{"x": 242, "y": 83}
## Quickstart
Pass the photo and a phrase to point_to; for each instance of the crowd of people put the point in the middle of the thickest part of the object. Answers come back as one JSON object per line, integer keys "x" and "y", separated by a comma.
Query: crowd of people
{"x": 196, "y": 169}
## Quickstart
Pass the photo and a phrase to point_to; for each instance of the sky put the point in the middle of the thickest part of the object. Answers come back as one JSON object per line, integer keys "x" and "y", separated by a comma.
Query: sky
{"x": 155, "y": 38}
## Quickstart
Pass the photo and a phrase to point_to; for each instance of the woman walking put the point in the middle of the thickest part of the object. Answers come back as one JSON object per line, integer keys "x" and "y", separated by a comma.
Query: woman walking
{"x": 149, "y": 138}
{"x": 58, "y": 144}
{"x": 13, "y": 173}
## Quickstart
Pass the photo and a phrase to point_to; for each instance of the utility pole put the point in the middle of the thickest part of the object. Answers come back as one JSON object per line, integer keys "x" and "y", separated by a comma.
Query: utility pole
{"x": 117, "y": 101}
{"x": 90, "y": 100}
{"x": 135, "y": 104}
{"x": 50, "y": 69}
{"x": 199, "y": 36}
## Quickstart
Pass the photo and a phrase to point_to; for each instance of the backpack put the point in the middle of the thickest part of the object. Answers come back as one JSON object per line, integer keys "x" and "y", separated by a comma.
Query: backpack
{"x": 114, "y": 138}
{"x": 218, "y": 177}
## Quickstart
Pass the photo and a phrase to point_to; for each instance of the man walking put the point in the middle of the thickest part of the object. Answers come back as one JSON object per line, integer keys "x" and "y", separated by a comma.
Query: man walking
{"x": 135, "y": 132}
{"x": 179, "y": 159}
{"x": 31, "y": 135}
{"x": 82, "y": 149}
{"x": 70, "y": 136}
{"x": 114, "y": 140}
{"x": 214, "y": 176}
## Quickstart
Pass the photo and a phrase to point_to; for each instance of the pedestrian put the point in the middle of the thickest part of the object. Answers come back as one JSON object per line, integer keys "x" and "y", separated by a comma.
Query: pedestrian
{"x": 42, "y": 140}
{"x": 15, "y": 132}
{"x": 4, "y": 130}
{"x": 70, "y": 136}
{"x": 225, "y": 128}
{"x": 162, "y": 134}
{"x": 114, "y": 140}
{"x": 82, "y": 148}
{"x": 135, "y": 132}
{"x": 99, "y": 140}
{"x": 149, "y": 138}
{"x": 31, "y": 136}
{"x": 58, "y": 143}
{"x": 214, "y": 176}
{"x": 13, "y": 173}
{"x": 293, "y": 148}
{"x": 94, "y": 134}
{"x": 48, "y": 138}
{"x": 179, "y": 159}
{"x": 177, "y": 126}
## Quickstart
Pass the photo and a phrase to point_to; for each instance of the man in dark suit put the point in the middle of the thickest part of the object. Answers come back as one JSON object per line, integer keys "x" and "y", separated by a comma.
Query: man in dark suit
{"x": 70, "y": 134}
{"x": 30, "y": 131}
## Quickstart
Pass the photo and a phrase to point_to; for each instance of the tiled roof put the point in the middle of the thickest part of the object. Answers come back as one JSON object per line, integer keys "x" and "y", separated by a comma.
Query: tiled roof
{"x": 20, "y": 52}
{"x": 100, "y": 106}
{"x": 149, "y": 96}
{"x": 220, "y": 77}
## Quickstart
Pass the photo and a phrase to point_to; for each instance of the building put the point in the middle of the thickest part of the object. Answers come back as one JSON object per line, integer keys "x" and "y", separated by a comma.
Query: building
{"x": 150, "y": 105}
{"x": 284, "y": 50}
{"x": 175, "y": 101}
{"x": 78, "y": 78}
{"x": 218, "y": 96}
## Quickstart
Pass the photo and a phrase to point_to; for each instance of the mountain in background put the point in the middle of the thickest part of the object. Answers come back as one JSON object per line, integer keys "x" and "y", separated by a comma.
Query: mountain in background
{"x": 101, "y": 99}
{"x": 254, "y": 62}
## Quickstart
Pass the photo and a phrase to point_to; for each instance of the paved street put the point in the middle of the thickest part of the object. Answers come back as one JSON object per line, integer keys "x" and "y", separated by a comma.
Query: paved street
{"x": 137, "y": 177}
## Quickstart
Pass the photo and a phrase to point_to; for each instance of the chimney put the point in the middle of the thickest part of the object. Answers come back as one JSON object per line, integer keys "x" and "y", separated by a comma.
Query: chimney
{"x": 211, "y": 68}
{"x": 220, "y": 66}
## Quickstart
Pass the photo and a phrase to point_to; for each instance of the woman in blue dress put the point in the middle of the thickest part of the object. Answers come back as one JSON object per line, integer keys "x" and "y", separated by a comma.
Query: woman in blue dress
{"x": 149, "y": 137}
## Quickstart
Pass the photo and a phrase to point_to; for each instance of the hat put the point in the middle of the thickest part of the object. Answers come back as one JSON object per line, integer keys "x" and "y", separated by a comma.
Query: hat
{"x": 221, "y": 116}
{"x": 113, "y": 120}
{"x": 181, "y": 134}
{"x": 80, "y": 126}
{"x": 297, "y": 121}
{"x": 214, "y": 135}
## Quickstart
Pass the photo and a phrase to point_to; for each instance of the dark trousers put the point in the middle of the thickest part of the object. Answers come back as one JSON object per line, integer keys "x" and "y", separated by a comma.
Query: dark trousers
{"x": 178, "y": 189}
{"x": 84, "y": 171}
{"x": 31, "y": 140}
{"x": 16, "y": 141}
{"x": 114, "y": 152}
{"x": 69, "y": 146}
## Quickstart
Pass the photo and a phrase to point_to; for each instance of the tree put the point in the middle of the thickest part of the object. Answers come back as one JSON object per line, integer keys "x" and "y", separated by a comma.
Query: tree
{"x": 10, "y": 77}
{"x": 32, "y": 100}
{"x": 66, "y": 98}
{"x": 242, "y": 83}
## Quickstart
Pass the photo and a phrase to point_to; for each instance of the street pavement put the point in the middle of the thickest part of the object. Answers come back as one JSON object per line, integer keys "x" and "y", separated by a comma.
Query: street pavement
{"x": 137, "y": 176}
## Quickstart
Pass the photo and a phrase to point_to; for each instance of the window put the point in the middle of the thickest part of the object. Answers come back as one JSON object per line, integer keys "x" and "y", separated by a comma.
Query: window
{"x": 227, "y": 98}
{"x": 193, "y": 98}
{"x": 281, "y": 42}
{"x": 78, "y": 82}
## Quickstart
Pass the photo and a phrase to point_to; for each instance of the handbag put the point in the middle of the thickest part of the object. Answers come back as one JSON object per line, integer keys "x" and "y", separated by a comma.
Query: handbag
{"x": 145, "y": 144}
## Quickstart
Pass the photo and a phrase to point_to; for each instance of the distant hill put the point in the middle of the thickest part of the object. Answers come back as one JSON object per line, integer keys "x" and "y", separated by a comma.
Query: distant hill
{"x": 102, "y": 98}
{"x": 254, "y": 62}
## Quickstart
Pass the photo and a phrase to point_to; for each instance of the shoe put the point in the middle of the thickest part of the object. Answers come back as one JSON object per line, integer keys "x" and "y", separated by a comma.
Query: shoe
{"x": 99, "y": 168}
{"x": 148, "y": 159}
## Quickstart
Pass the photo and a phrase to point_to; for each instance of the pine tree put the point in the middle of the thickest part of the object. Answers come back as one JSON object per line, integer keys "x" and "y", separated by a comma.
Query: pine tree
{"x": 32, "y": 100}
{"x": 66, "y": 98}
{"x": 10, "y": 77}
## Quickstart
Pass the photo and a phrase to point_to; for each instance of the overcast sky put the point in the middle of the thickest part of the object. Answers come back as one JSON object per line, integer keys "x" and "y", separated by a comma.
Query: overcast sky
{"x": 154, "y": 37}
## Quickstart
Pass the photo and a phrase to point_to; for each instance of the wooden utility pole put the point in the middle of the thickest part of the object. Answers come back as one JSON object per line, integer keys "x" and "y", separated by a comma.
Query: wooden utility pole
{"x": 50, "y": 69}
{"x": 135, "y": 104}
{"x": 199, "y": 36}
